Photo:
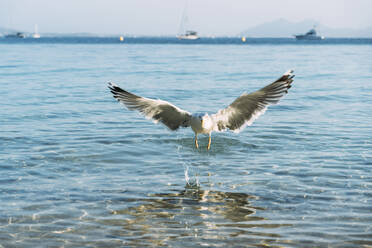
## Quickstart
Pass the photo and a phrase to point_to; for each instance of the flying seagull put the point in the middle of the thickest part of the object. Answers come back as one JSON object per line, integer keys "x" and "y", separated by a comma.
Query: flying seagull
{"x": 240, "y": 113}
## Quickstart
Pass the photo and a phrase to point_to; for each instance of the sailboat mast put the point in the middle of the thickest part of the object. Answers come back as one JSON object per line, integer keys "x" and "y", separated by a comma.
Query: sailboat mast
{"x": 183, "y": 20}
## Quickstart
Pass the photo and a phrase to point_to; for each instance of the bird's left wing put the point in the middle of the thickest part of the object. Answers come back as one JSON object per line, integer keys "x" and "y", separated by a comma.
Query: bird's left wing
{"x": 248, "y": 107}
{"x": 165, "y": 112}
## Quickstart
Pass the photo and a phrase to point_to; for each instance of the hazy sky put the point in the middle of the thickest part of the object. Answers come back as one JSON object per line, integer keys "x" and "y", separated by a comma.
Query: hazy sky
{"x": 162, "y": 17}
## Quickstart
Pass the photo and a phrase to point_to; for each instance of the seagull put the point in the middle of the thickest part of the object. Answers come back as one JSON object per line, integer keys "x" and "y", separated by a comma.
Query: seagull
{"x": 235, "y": 117}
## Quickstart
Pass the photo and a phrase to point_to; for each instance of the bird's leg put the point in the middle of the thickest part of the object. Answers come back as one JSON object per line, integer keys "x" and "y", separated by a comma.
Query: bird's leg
{"x": 196, "y": 141}
{"x": 209, "y": 142}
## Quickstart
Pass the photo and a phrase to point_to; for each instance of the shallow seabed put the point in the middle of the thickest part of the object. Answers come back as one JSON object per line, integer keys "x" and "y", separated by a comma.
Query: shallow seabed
{"x": 78, "y": 170}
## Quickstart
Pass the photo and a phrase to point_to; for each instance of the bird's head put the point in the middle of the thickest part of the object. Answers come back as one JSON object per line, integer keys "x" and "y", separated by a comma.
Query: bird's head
{"x": 203, "y": 118}
{"x": 198, "y": 118}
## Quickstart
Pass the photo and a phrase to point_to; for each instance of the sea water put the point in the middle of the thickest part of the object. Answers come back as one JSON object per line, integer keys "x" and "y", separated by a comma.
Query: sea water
{"x": 79, "y": 170}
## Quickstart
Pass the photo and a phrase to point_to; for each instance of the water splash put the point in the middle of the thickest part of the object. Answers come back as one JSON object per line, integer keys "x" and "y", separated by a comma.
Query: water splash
{"x": 191, "y": 182}
{"x": 191, "y": 176}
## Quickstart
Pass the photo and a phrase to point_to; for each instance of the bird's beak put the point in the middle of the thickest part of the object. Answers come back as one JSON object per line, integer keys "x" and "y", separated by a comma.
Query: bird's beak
{"x": 202, "y": 122}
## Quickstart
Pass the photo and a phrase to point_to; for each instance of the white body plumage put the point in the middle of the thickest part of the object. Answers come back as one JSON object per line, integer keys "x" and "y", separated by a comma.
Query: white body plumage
{"x": 201, "y": 124}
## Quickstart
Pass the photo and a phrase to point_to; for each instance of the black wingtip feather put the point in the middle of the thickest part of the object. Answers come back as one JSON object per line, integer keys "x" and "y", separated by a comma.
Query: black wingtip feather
{"x": 114, "y": 88}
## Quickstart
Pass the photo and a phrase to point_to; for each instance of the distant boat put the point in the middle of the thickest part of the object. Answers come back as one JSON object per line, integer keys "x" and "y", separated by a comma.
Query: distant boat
{"x": 310, "y": 35}
{"x": 189, "y": 35}
{"x": 16, "y": 35}
{"x": 185, "y": 34}
{"x": 36, "y": 34}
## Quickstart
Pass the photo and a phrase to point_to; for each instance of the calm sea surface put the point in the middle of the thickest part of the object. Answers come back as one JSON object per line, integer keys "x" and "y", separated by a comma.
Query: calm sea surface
{"x": 79, "y": 170}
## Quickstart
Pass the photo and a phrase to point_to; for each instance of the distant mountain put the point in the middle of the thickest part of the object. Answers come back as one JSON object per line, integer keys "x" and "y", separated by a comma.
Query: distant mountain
{"x": 284, "y": 28}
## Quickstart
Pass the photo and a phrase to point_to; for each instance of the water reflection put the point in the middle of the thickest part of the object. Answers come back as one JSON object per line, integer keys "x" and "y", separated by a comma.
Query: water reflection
{"x": 193, "y": 214}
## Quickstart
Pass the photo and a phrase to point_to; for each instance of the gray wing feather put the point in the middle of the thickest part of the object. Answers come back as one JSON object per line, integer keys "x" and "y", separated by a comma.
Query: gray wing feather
{"x": 165, "y": 112}
{"x": 248, "y": 107}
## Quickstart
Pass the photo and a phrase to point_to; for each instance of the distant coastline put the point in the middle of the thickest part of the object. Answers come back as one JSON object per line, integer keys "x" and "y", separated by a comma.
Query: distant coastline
{"x": 235, "y": 40}
{"x": 280, "y": 28}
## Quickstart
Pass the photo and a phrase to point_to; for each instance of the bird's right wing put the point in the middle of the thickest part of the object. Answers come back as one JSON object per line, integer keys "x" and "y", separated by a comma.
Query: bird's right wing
{"x": 165, "y": 112}
{"x": 248, "y": 107}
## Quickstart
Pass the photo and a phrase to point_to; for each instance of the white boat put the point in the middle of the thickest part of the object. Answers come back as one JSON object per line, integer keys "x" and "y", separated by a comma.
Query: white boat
{"x": 184, "y": 33}
{"x": 189, "y": 35}
{"x": 310, "y": 35}
{"x": 36, "y": 34}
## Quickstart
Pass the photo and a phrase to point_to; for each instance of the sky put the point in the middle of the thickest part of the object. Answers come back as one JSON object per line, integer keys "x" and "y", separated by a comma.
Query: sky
{"x": 162, "y": 17}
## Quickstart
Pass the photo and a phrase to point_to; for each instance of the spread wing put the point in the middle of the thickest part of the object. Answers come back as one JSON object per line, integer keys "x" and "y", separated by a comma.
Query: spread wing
{"x": 248, "y": 107}
{"x": 165, "y": 112}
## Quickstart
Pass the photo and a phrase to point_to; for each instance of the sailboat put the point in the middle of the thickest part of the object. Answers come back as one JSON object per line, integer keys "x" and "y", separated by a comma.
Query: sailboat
{"x": 185, "y": 34}
{"x": 14, "y": 34}
{"x": 36, "y": 34}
